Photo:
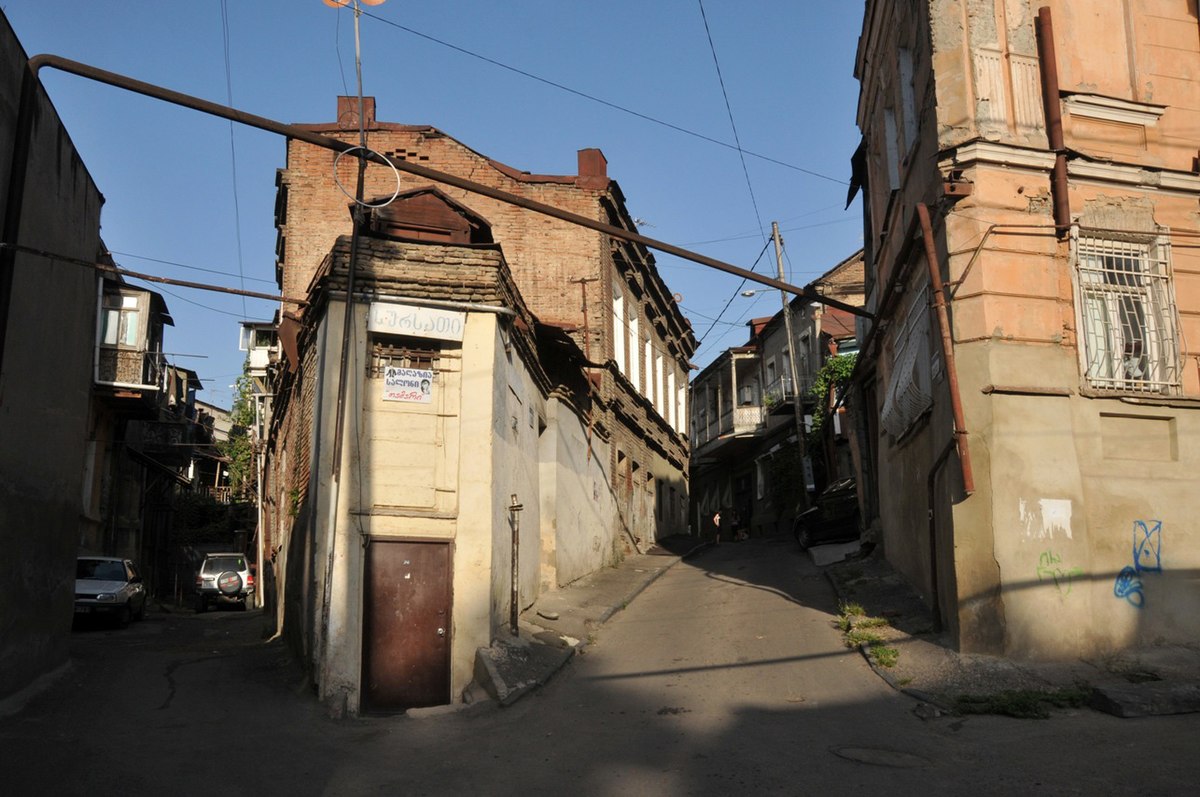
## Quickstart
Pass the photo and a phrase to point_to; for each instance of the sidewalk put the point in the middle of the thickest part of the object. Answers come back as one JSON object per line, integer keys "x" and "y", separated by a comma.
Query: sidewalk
{"x": 1164, "y": 679}
{"x": 1151, "y": 681}
{"x": 562, "y": 622}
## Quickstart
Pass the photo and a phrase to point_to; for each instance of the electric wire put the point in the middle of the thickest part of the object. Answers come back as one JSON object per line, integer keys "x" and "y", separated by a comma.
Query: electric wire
{"x": 700, "y": 340}
{"x": 190, "y": 267}
{"x": 237, "y": 213}
{"x": 593, "y": 98}
{"x": 732, "y": 124}
{"x": 789, "y": 229}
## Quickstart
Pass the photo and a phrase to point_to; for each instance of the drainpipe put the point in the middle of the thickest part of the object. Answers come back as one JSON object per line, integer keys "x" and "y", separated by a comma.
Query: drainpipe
{"x": 939, "y": 302}
{"x": 1048, "y": 59}
{"x": 514, "y": 522}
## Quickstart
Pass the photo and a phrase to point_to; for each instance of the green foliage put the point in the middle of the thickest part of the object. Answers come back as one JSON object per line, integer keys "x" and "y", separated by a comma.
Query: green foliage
{"x": 833, "y": 376}
{"x": 1024, "y": 703}
{"x": 785, "y": 476}
{"x": 854, "y": 623}
{"x": 199, "y": 518}
{"x": 239, "y": 448}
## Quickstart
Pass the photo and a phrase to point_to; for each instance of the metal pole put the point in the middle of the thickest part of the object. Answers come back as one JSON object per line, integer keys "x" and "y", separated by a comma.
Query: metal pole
{"x": 514, "y": 510}
{"x": 797, "y": 410}
{"x": 300, "y": 134}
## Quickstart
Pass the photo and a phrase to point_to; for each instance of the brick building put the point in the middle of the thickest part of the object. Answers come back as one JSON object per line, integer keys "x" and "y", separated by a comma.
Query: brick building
{"x": 606, "y": 294}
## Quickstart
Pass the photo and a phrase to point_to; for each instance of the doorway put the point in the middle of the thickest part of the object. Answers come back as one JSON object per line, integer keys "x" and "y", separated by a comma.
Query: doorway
{"x": 406, "y": 625}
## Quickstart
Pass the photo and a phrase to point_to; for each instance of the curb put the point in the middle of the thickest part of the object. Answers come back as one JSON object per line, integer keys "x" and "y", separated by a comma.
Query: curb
{"x": 488, "y": 675}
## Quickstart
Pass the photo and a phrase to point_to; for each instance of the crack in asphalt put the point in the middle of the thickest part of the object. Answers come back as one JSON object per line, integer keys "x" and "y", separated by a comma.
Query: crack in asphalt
{"x": 170, "y": 676}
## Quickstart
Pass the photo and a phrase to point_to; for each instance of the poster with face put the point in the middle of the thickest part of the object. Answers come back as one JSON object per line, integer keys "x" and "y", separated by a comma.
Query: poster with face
{"x": 411, "y": 385}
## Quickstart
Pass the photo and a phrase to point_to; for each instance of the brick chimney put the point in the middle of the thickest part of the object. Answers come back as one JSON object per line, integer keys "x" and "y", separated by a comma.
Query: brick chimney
{"x": 347, "y": 112}
{"x": 593, "y": 169}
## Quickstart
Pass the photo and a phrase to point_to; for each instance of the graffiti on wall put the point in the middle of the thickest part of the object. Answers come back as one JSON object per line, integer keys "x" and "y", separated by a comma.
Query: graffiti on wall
{"x": 1147, "y": 558}
{"x": 1050, "y": 567}
{"x": 1045, "y": 518}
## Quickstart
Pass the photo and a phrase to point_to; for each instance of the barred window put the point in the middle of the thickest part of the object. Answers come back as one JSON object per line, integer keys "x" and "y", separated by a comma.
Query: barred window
{"x": 1126, "y": 305}
{"x": 391, "y": 351}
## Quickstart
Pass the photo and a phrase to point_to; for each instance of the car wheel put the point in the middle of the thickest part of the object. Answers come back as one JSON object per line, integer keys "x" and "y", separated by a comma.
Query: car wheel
{"x": 201, "y": 605}
{"x": 803, "y": 538}
{"x": 141, "y": 612}
{"x": 124, "y": 615}
{"x": 243, "y": 605}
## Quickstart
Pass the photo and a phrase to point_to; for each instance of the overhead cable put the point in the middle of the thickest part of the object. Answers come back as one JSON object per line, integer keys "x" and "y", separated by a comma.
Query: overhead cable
{"x": 593, "y": 98}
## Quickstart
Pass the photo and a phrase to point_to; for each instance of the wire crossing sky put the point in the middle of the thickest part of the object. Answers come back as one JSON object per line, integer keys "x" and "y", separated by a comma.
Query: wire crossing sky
{"x": 527, "y": 84}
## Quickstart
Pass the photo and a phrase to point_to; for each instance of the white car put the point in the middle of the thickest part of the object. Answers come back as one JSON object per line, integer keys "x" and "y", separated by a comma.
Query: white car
{"x": 111, "y": 587}
{"x": 224, "y": 578}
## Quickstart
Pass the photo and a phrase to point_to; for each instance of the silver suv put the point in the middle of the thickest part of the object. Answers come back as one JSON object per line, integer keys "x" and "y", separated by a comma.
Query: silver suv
{"x": 223, "y": 578}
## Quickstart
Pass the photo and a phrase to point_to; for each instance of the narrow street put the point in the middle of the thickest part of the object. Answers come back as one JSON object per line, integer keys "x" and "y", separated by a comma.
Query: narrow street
{"x": 726, "y": 676}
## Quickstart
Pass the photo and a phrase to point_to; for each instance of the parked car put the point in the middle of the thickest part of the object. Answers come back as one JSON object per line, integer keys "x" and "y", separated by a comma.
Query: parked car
{"x": 109, "y": 587}
{"x": 223, "y": 578}
{"x": 832, "y": 518}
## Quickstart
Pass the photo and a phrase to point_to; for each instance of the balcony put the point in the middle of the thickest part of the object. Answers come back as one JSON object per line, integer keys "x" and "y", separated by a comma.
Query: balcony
{"x": 780, "y": 394}
{"x": 731, "y": 422}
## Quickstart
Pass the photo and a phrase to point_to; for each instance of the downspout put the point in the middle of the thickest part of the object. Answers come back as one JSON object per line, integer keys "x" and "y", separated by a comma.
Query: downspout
{"x": 1048, "y": 60}
{"x": 939, "y": 302}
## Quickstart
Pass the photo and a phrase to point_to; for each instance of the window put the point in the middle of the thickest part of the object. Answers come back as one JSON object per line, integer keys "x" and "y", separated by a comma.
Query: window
{"x": 909, "y": 391}
{"x": 618, "y": 337}
{"x": 1126, "y": 306}
{"x": 634, "y": 338}
{"x": 119, "y": 322}
{"x": 649, "y": 393}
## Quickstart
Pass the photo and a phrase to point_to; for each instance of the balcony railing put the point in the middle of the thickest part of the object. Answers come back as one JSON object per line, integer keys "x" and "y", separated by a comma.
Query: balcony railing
{"x": 783, "y": 390}
{"x": 745, "y": 419}
{"x": 130, "y": 368}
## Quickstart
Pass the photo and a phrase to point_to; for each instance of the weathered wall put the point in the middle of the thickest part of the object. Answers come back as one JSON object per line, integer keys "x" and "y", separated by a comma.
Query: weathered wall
{"x": 566, "y": 273}
{"x": 1074, "y": 541}
{"x": 44, "y": 387}
{"x": 578, "y": 533}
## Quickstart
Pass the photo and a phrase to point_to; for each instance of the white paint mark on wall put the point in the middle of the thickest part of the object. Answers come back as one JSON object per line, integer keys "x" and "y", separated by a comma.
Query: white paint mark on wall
{"x": 1050, "y": 517}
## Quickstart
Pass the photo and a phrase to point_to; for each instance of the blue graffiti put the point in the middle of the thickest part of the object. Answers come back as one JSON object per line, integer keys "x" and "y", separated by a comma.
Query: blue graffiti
{"x": 1129, "y": 587}
{"x": 1147, "y": 558}
{"x": 1147, "y": 546}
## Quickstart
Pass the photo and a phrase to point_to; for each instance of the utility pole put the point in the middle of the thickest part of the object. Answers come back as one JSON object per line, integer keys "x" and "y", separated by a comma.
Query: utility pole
{"x": 797, "y": 410}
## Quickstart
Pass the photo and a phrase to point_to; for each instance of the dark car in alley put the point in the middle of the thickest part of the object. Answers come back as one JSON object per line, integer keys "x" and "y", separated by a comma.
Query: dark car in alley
{"x": 832, "y": 518}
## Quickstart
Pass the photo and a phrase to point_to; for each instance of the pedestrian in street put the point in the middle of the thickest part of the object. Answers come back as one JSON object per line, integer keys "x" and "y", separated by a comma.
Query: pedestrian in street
{"x": 717, "y": 524}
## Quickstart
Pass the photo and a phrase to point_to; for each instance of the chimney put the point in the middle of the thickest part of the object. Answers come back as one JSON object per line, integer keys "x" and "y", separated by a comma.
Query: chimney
{"x": 593, "y": 169}
{"x": 347, "y": 112}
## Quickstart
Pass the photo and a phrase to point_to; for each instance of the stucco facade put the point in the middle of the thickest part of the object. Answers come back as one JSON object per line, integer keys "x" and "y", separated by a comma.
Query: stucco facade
{"x": 504, "y": 423}
{"x": 1052, "y": 518}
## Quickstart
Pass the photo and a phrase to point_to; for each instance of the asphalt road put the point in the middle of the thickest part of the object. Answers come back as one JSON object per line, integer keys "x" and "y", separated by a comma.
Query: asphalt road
{"x": 726, "y": 676}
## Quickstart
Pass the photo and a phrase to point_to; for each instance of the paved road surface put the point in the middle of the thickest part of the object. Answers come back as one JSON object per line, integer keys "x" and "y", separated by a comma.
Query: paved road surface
{"x": 725, "y": 677}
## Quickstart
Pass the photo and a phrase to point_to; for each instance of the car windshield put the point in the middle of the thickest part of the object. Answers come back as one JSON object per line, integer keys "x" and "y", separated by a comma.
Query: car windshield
{"x": 216, "y": 563}
{"x": 98, "y": 570}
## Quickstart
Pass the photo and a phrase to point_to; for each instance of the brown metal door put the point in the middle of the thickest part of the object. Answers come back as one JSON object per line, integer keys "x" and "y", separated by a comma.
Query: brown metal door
{"x": 406, "y": 626}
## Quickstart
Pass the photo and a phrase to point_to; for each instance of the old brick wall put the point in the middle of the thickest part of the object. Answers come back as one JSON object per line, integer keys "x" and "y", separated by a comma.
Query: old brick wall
{"x": 564, "y": 273}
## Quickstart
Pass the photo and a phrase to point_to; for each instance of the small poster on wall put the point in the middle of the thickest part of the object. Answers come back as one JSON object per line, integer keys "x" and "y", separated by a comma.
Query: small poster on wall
{"x": 407, "y": 384}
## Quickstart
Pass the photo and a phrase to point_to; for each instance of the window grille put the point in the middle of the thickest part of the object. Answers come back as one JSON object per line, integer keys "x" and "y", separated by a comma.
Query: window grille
{"x": 385, "y": 355}
{"x": 1126, "y": 306}
{"x": 909, "y": 392}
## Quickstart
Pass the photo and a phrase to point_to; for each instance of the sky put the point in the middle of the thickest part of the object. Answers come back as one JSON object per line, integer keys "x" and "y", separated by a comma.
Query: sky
{"x": 528, "y": 83}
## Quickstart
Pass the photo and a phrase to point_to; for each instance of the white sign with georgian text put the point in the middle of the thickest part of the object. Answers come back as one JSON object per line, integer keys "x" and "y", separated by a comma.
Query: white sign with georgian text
{"x": 420, "y": 322}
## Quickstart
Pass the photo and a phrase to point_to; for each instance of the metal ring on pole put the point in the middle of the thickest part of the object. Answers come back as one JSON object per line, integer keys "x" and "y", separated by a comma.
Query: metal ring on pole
{"x": 342, "y": 188}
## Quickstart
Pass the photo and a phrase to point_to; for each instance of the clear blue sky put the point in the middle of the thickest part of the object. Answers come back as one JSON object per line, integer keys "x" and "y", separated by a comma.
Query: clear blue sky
{"x": 168, "y": 174}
